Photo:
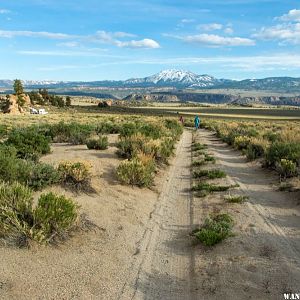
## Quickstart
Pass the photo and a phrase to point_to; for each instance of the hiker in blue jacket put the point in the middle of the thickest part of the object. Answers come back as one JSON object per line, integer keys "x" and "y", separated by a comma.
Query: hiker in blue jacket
{"x": 197, "y": 122}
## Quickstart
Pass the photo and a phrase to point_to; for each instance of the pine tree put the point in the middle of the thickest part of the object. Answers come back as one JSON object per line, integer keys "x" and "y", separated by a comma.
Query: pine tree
{"x": 68, "y": 101}
{"x": 19, "y": 90}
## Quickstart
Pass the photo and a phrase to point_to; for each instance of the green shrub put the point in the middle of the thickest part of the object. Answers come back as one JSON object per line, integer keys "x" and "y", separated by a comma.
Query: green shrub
{"x": 53, "y": 216}
{"x": 241, "y": 142}
{"x": 29, "y": 143}
{"x": 38, "y": 175}
{"x": 174, "y": 126}
{"x": 137, "y": 172}
{"x": 236, "y": 198}
{"x": 9, "y": 170}
{"x": 100, "y": 143}
{"x": 215, "y": 230}
{"x": 128, "y": 129}
{"x": 271, "y": 136}
{"x": 20, "y": 221}
{"x": 210, "y": 174}
{"x": 107, "y": 128}
{"x": 74, "y": 133}
{"x": 286, "y": 168}
{"x": 209, "y": 158}
{"x": 283, "y": 150}
{"x": 256, "y": 148}
{"x": 75, "y": 174}
{"x": 152, "y": 131}
{"x": 210, "y": 188}
{"x": 129, "y": 146}
{"x": 198, "y": 163}
{"x": 166, "y": 149}
{"x": 198, "y": 146}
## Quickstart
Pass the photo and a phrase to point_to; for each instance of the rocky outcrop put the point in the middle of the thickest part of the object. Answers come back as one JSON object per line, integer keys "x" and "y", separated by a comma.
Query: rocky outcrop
{"x": 12, "y": 106}
{"x": 107, "y": 103}
{"x": 152, "y": 97}
{"x": 213, "y": 98}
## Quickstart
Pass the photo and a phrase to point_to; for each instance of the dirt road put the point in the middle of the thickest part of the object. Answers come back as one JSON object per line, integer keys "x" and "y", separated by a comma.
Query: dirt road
{"x": 163, "y": 268}
{"x": 142, "y": 248}
{"x": 260, "y": 262}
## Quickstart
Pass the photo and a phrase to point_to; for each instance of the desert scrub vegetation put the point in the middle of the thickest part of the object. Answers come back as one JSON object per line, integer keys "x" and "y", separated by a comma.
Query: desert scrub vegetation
{"x": 209, "y": 158}
{"x": 73, "y": 133}
{"x": 199, "y": 163}
{"x": 198, "y": 146}
{"x": 210, "y": 188}
{"x": 29, "y": 143}
{"x": 21, "y": 221}
{"x": 145, "y": 146}
{"x": 100, "y": 143}
{"x": 236, "y": 198}
{"x": 76, "y": 175}
{"x": 277, "y": 144}
{"x": 138, "y": 171}
{"x": 210, "y": 174}
{"x": 34, "y": 174}
{"x": 215, "y": 229}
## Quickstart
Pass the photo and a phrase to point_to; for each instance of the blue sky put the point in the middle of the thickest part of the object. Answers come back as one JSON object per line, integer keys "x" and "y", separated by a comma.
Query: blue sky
{"x": 97, "y": 40}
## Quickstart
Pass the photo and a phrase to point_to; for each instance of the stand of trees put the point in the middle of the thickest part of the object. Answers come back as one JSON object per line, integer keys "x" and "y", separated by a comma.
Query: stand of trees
{"x": 42, "y": 97}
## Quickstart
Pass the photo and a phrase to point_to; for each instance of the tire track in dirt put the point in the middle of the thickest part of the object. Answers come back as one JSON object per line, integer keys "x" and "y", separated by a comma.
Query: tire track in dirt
{"x": 163, "y": 267}
{"x": 265, "y": 201}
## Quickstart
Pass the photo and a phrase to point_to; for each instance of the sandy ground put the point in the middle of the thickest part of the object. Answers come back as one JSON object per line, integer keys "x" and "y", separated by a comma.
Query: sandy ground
{"x": 262, "y": 260}
{"x": 142, "y": 248}
{"x": 91, "y": 265}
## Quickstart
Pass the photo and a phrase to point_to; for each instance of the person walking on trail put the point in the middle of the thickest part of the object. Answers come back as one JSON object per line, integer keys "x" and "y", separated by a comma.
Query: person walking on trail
{"x": 197, "y": 122}
{"x": 181, "y": 120}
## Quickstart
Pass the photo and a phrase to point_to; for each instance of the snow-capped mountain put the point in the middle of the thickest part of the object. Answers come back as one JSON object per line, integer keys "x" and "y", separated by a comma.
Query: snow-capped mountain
{"x": 177, "y": 78}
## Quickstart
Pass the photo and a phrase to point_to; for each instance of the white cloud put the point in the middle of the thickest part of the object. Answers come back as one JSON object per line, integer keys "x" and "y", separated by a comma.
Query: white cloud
{"x": 4, "y": 11}
{"x": 44, "y": 34}
{"x": 285, "y": 33}
{"x": 214, "y": 40}
{"x": 69, "y": 44}
{"x": 187, "y": 21}
{"x": 112, "y": 38}
{"x": 228, "y": 30}
{"x": 293, "y": 15}
{"x": 210, "y": 26}
{"x": 145, "y": 43}
{"x": 87, "y": 53}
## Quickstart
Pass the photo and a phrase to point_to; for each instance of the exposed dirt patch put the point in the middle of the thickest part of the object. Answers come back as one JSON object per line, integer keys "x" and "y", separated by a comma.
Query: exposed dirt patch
{"x": 93, "y": 264}
{"x": 262, "y": 259}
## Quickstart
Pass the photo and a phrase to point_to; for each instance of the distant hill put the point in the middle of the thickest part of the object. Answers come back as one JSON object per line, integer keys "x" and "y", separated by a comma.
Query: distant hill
{"x": 178, "y": 79}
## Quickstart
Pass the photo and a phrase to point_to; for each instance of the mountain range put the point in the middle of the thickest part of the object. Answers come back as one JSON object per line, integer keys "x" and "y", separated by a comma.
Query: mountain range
{"x": 178, "y": 79}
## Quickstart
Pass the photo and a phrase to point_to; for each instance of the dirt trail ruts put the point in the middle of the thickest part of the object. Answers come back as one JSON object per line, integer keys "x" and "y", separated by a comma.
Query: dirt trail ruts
{"x": 269, "y": 203}
{"x": 163, "y": 268}
{"x": 262, "y": 260}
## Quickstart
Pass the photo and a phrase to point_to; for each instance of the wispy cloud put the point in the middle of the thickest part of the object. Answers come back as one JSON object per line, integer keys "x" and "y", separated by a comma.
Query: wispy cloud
{"x": 184, "y": 21}
{"x": 210, "y": 26}
{"x": 213, "y": 40}
{"x": 280, "y": 61}
{"x": 287, "y": 32}
{"x": 4, "y": 11}
{"x": 228, "y": 30}
{"x": 37, "y": 34}
{"x": 67, "y": 53}
{"x": 112, "y": 38}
